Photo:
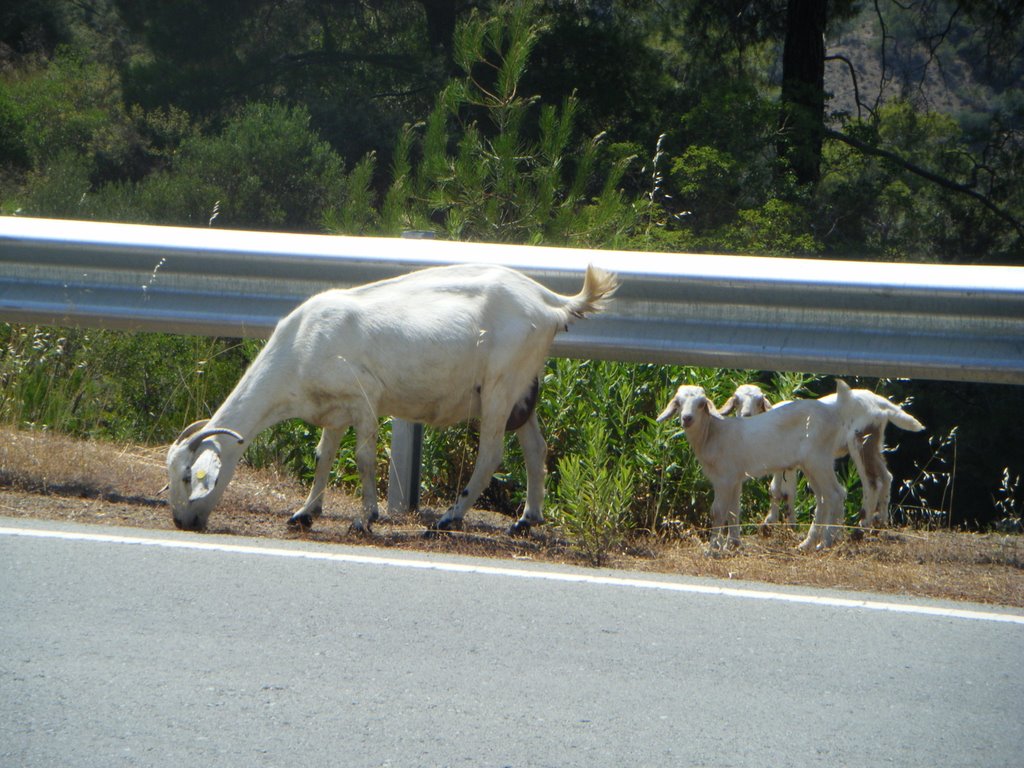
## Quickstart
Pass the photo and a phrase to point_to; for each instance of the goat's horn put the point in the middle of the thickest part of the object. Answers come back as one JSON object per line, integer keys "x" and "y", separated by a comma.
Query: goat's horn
{"x": 191, "y": 429}
{"x": 193, "y": 444}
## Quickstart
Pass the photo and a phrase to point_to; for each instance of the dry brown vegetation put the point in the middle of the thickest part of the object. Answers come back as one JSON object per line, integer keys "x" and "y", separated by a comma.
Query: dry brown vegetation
{"x": 49, "y": 476}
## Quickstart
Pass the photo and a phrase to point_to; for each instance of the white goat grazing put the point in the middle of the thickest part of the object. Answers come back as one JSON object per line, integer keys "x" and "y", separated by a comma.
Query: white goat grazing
{"x": 806, "y": 434}
{"x": 865, "y": 446}
{"x": 437, "y": 346}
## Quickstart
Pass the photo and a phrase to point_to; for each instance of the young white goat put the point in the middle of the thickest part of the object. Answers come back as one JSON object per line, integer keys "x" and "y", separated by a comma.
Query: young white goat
{"x": 749, "y": 400}
{"x": 865, "y": 446}
{"x": 806, "y": 434}
{"x": 437, "y": 346}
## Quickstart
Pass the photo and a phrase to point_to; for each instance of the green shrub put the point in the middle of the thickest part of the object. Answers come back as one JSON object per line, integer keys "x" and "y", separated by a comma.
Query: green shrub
{"x": 266, "y": 170}
{"x": 14, "y": 152}
{"x": 594, "y": 496}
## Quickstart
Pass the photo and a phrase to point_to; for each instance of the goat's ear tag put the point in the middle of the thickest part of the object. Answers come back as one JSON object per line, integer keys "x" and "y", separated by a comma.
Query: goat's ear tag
{"x": 205, "y": 470}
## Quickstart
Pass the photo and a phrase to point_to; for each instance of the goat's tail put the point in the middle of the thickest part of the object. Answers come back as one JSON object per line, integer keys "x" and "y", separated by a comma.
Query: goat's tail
{"x": 901, "y": 418}
{"x": 598, "y": 287}
{"x": 893, "y": 413}
{"x": 868, "y": 404}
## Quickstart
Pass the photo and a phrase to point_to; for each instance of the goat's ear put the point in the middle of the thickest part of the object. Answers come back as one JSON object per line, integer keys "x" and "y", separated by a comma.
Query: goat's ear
{"x": 766, "y": 404}
{"x": 726, "y": 409}
{"x": 205, "y": 470}
{"x": 670, "y": 410}
{"x": 842, "y": 386}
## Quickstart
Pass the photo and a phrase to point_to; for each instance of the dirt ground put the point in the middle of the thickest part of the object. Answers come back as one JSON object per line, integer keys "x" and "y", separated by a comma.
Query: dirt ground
{"x": 53, "y": 477}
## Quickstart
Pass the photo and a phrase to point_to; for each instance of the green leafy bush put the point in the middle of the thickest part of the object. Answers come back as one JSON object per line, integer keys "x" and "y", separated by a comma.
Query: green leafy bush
{"x": 594, "y": 496}
{"x": 266, "y": 170}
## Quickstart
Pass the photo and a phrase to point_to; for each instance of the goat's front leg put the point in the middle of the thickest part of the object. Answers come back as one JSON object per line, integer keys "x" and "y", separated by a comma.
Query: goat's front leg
{"x": 488, "y": 458}
{"x": 772, "y": 518}
{"x": 830, "y": 498}
{"x": 725, "y": 515}
{"x": 788, "y": 494}
{"x": 837, "y": 503}
{"x": 534, "y": 453}
{"x": 326, "y": 450}
{"x": 366, "y": 463}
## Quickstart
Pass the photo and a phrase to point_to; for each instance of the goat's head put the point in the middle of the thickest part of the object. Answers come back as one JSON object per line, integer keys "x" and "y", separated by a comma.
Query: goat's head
{"x": 748, "y": 400}
{"x": 195, "y": 481}
{"x": 690, "y": 403}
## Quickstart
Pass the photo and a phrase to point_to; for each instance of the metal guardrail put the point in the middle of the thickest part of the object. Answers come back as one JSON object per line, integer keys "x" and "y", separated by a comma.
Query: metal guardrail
{"x": 945, "y": 322}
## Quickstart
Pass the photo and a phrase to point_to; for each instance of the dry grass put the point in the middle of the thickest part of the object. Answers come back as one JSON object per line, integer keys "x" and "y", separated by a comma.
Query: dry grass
{"x": 50, "y": 476}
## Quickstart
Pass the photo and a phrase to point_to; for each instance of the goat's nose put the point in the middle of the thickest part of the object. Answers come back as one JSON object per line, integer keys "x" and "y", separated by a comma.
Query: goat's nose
{"x": 192, "y": 524}
{"x": 687, "y": 420}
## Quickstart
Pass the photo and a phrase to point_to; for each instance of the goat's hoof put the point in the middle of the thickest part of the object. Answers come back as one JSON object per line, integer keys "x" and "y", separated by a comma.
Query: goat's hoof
{"x": 361, "y": 528}
{"x": 302, "y": 520}
{"x": 857, "y": 534}
{"x": 520, "y": 528}
{"x": 447, "y": 525}
{"x": 436, "y": 532}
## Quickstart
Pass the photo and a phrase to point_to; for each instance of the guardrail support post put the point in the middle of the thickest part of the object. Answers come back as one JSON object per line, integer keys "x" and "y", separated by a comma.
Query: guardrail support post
{"x": 406, "y": 449}
{"x": 404, "y": 467}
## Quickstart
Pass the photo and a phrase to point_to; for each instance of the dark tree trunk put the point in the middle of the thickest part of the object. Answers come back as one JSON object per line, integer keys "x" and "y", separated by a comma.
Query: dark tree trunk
{"x": 802, "y": 115}
{"x": 441, "y": 16}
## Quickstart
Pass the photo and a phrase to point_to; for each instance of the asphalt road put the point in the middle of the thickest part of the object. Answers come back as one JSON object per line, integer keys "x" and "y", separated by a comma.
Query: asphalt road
{"x": 129, "y": 648}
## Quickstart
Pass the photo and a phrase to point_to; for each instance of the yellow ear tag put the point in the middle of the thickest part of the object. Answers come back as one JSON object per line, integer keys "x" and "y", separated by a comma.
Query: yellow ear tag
{"x": 201, "y": 474}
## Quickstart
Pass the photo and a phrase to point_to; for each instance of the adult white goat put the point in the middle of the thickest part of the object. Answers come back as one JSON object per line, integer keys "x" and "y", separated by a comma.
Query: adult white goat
{"x": 806, "y": 434}
{"x": 865, "y": 447}
{"x": 437, "y": 346}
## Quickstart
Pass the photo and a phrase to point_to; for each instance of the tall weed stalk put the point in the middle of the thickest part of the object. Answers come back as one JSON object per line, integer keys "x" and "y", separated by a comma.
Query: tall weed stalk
{"x": 937, "y": 471}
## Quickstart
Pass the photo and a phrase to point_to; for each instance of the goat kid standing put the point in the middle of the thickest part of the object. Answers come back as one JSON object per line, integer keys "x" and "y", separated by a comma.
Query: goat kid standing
{"x": 748, "y": 400}
{"x": 437, "y": 346}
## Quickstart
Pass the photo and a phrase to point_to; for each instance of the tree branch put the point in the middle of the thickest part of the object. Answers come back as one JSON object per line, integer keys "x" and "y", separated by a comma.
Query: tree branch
{"x": 853, "y": 80}
{"x": 931, "y": 176}
{"x": 392, "y": 61}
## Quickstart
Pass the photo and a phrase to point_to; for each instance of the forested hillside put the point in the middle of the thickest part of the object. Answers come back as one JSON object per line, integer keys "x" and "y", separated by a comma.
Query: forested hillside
{"x": 876, "y": 130}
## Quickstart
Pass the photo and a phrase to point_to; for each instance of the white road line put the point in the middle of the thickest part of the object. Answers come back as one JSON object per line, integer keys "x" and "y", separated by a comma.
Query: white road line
{"x": 520, "y": 573}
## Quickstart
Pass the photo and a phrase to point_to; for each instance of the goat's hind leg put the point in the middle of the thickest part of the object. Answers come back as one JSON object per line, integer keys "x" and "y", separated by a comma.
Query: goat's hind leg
{"x": 534, "y": 453}
{"x": 875, "y": 480}
{"x": 487, "y": 460}
{"x": 313, "y": 507}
